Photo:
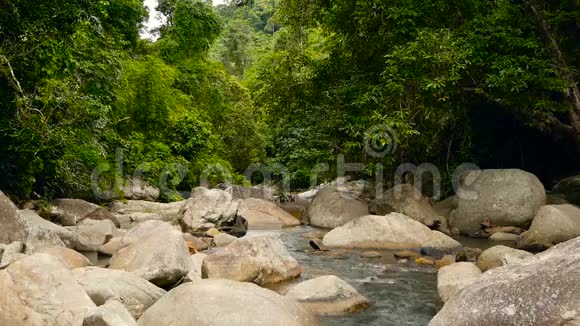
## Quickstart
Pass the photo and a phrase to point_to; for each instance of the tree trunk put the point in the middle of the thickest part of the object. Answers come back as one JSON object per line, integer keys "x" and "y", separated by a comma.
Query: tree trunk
{"x": 573, "y": 93}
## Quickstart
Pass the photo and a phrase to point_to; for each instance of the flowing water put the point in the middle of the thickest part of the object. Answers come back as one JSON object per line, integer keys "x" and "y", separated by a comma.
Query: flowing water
{"x": 401, "y": 293}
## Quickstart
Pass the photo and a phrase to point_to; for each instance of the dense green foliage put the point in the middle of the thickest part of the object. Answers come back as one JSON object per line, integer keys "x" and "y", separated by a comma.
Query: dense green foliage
{"x": 80, "y": 91}
{"x": 280, "y": 82}
{"x": 339, "y": 70}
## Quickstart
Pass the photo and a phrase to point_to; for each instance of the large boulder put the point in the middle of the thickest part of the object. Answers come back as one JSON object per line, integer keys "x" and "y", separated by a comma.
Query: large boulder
{"x": 569, "y": 188}
{"x": 196, "y": 263}
{"x": 224, "y": 302}
{"x": 223, "y": 239}
{"x": 328, "y": 295}
{"x": 101, "y": 214}
{"x": 453, "y": 278}
{"x": 393, "y": 231}
{"x": 496, "y": 256}
{"x": 161, "y": 258}
{"x": 112, "y": 313}
{"x": 446, "y": 206}
{"x": 263, "y": 260}
{"x": 258, "y": 192}
{"x": 505, "y": 197}
{"x": 406, "y": 199}
{"x": 207, "y": 209}
{"x": 137, "y": 189}
{"x": 13, "y": 226}
{"x": 542, "y": 290}
{"x": 262, "y": 214}
{"x": 69, "y": 212}
{"x": 132, "y": 212}
{"x": 553, "y": 224}
{"x": 33, "y": 220}
{"x": 70, "y": 258}
{"x": 39, "y": 238}
{"x": 102, "y": 285}
{"x": 37, "y": 290}
{"x": 142, "y": 230}
{"x": 335, "y": 206}
{"x": 92, "y": 234}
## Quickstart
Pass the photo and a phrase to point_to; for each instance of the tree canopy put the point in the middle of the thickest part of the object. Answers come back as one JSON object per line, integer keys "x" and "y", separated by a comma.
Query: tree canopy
{"x": 288, "y": 83}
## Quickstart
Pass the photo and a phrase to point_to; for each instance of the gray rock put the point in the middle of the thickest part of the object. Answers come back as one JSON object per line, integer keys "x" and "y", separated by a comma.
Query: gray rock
{"x": 263, "y": 260}
{"x": 502, "y": 236}
{"x": 112, "y": 313}
{"x": 258, "y": 192}
{"x": 406, "y": 199}
{"x": 11, "y": 253}
{"x": 393, "y": 231}
{"x": 124, "y": 210}
{"x": 223, "y": 239}
{"x": 492, "y": 257}
{"x": 328, "y": 295}
{"x": 506, "y": 197}
{"x": 161, "y": 258}
{"x": 446, "y": 206}
{"x": 102, "y": 285}
{"x": 207, "y": 209}
{"x": 224, "y": 302}
{"x": 139, "y": 190}
{"x": 552, "y": 225}
{"x": 543, "y": 290}
{"x": 569, "y": 188}
{"x": 37, "y": 290}
{"x": 13, "y": 226}
{"x": 142, "y": 230}
{"x": 70, "y": 258}
{"x": 453, "y": 278}
{"x": 335, "y": 206}
{"x": 33, "y": 220}
{"x": 196, "y": 263}
{"x": 101, "y": 214}
{"x": 69, "y": 212}
{"x": 39, "y": 238}
{"x": 262, "y": 214}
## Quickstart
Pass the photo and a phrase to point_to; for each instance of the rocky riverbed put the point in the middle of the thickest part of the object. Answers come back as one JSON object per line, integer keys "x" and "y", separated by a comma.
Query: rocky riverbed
{"x": 223, "y": 257}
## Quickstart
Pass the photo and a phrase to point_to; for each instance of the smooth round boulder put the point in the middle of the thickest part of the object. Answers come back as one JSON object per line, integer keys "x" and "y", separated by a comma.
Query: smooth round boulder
{"x": 70, "y": 258}
{"x": 542, "y": 290}
{"x": 263, "y": 214}
{"x": 40, "y": 290}
{"x": 207, "y": 209}
{"x": 102, "y": 285}
{"x": 328, "y": 295}
{"x": 263, "y": 260}
{"x": 69, "y": 212}
{"x": 451, "y": 279}
{"x": 224, "y": 303}
{"x": 506, "y": 197}
{"x": 333, "y": 207}
{"x": 161, "y": 258}
{"x": 493, "y": 257}
{"x": 569, "y": 188}
{"x": 406, "y": 199}
{"x": 552, "y": 225}
{"x": 393, "y": 231}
